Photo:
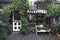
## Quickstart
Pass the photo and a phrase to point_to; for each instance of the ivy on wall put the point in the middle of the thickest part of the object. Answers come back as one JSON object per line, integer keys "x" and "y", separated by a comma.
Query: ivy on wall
{"x": 21, "y": 6}
{"x": 23, "y": 10}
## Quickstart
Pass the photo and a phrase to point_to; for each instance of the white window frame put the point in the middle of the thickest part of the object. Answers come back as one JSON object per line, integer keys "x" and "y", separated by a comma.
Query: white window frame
{"x": 54, "y": 22}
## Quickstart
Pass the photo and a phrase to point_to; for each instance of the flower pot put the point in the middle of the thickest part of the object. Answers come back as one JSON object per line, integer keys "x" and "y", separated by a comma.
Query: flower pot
{"x": 53, "y": 31}
{"x": 58, "y": 36}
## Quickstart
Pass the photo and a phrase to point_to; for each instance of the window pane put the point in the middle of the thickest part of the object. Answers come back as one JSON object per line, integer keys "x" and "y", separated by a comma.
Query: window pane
{"x": 18, "y": 27}
{"x": 16, "y": 16}
{"x": 40, "y": 5}
{"x": 18, "y": 23}
{"x": 57, "y": 18}
{"x": 14, "y": 23}
{"x": 15, "y": 27}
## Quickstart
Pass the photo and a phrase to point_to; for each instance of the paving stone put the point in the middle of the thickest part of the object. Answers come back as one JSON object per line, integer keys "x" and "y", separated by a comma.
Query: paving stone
{"x": 18, "y": 36}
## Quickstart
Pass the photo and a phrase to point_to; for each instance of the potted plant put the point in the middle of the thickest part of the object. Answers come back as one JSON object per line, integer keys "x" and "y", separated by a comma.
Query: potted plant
{"x": 53, "y": 31}
{"x": 54, "y": 28}
{"x": 58, "y": 31}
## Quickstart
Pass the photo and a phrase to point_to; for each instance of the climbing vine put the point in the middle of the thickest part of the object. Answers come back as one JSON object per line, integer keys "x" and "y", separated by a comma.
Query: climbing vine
{"x": 21, "y": 6}
{"x": 23, "y": 11}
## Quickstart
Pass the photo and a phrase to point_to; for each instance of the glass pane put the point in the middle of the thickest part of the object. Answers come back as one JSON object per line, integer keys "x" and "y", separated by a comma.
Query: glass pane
{"x": 15, "y": 24}
{"x": 16, "y": 16}
{"x": 40, "y": 5}
{"x": 57, "y": 19}
{"x": 18, "y": 27}
{"x": 15, "y": 27}
{"x": 18, "y": 23}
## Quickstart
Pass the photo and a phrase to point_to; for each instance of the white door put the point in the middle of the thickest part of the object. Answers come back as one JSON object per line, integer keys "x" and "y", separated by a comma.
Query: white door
{"x": 16, "y": 26}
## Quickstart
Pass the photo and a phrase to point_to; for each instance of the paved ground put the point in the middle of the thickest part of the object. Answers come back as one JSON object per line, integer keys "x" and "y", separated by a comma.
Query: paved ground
{"x": 18, "y": 36}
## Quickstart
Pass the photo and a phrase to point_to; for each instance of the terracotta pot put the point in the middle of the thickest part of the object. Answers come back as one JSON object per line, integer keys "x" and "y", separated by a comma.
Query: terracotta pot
{"x": 53, "y": 31}
{"x": 58, "y": 36}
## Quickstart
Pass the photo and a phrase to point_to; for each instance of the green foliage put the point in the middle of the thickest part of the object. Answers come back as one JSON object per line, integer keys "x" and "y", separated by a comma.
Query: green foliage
{"x": 46, "y": 26}
{"x": 4, "y": 23}
{"x": 33, "y": 31}
{"x": 2, "y": 36}
{"x": 24, "y": 30}
{"x": 56, "y": 26}
{"x": 21, "y": 6}
{"x": 4, "y": 20}
{"x": 22, "y": 11}
{"x": 24, "y": 25}
{"x": 53, "y": 11}
{"x": 7, "y": 9}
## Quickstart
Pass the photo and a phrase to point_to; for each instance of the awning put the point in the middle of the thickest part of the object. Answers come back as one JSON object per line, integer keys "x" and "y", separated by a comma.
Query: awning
{"x": 37, "y": 11}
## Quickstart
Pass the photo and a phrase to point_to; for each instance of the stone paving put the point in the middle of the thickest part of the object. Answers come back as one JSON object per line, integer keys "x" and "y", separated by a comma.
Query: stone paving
{"x": 18, "y": 36}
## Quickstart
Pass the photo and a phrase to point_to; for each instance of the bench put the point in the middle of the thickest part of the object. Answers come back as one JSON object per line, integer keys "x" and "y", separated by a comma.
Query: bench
{"x": 42, "y": 30}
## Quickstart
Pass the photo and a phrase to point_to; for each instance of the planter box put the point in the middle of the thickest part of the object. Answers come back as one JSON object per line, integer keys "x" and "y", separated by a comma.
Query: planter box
{"x": 58, "y": 36}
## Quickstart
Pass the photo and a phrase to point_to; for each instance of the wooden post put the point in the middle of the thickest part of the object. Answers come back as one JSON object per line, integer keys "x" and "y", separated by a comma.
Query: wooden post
{"x": 36, "y": 19}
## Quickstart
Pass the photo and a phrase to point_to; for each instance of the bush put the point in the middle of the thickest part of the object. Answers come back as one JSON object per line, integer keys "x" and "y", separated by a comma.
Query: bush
{"x": 46, "y": 26}
{"x": 57, "y": 27}
{"x": 24, "y": 31}
{"x": 2, "y": 37}
{"x": 33, "y": 31}
{"x": 9, "y": 32}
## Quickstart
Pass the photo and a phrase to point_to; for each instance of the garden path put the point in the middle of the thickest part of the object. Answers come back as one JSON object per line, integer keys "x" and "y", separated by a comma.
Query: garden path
{"x": 18, "y": 36}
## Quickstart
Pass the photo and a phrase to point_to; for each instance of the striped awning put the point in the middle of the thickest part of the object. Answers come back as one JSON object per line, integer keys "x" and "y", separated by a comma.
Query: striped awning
{"x": 37, "y": 11}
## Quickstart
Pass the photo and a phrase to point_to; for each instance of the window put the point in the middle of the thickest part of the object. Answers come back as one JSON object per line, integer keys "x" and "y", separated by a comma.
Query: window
{"x": 18, "y": 27}
{"x": 57, "y": 18}
{"x": 15, "y": 27}
{"x": 40, "y": 5}
{"x": 16, "y": 15}
{"x": 14, "y": 23}
{"x": 18, "y": 23}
